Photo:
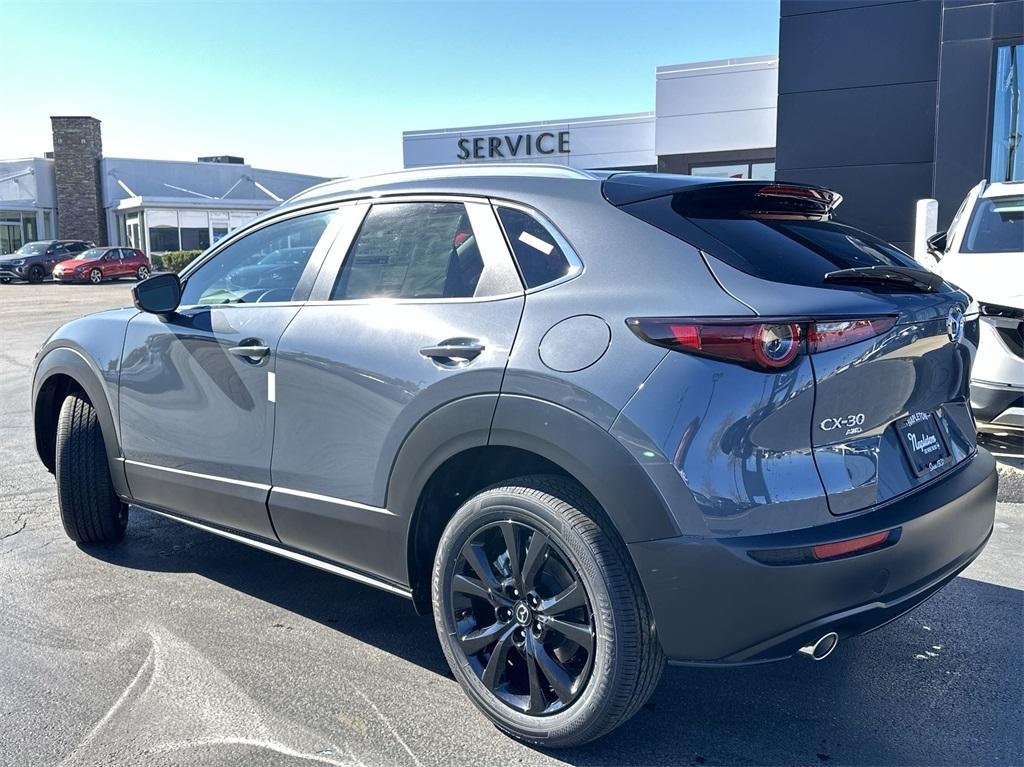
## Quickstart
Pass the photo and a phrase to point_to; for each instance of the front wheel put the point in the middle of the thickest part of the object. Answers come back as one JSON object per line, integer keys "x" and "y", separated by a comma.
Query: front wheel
{"x": 541, "y": 614}
{"x": 89, "y": 509}
{"x": 36, "y": 274}
{"x": 95, "y": 276}
{"x": 143, "y": 273}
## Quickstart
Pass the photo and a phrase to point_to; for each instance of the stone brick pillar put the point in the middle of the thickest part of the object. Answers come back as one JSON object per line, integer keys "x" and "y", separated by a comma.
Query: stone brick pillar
{"x": 77, "y": 149}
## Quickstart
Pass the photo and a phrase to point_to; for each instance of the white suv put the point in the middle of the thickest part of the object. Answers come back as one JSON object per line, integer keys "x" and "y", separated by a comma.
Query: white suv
{"x": 983, "y": 253}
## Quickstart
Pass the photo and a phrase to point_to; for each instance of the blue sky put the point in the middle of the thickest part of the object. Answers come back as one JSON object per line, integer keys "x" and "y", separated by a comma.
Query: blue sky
{"x": 328, "y": 88}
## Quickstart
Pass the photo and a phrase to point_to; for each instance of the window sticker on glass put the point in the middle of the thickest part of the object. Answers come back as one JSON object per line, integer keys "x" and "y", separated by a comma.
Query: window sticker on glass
{"x": 536, "y": 242}
{"x": 537, "y": 253}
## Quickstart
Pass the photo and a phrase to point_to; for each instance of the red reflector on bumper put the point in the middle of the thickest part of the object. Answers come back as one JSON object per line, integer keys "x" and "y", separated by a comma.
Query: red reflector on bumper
{"x": 842, "y": 548}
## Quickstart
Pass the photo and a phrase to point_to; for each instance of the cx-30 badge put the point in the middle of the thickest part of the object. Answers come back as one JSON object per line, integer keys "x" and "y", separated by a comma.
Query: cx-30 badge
{"x": 955, "y": 324}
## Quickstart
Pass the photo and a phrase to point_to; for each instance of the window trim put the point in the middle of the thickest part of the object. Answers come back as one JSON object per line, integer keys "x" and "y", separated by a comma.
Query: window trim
{"x": 493, "y": 250}
{"x": 576, "y": 265}
{"x": 309, "y": 273}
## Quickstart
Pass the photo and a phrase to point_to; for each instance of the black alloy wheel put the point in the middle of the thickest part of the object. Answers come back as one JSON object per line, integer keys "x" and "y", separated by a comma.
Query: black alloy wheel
{"x": 541, "y": 614}
{"x": 36, "y": 274}
{"x": 523, "y": 617}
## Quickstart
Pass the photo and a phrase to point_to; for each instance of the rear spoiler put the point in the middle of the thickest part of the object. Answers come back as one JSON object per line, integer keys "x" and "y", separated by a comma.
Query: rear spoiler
{"x": 702, "y": 198}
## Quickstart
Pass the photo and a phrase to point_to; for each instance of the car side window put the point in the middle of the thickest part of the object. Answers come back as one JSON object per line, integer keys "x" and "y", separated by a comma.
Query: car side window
{"x": 260, "y": 267}
{"x": 412, "y": 250}
{"x": 540, "y": 257}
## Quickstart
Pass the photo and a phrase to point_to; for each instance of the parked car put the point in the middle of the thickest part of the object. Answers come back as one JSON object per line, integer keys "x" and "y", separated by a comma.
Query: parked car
{"x": 983, "y": 252}
{"x": 98, "y": 264}
{"x": 34, "y": 261}
{"x": 588, "y": 421}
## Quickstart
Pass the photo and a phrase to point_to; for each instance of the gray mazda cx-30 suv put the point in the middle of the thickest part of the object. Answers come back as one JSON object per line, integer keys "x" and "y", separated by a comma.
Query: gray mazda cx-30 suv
{"x": 590, "y": 421}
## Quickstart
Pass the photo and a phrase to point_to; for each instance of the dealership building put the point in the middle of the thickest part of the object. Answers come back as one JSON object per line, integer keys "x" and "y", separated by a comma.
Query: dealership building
{"x": 886, "y": 101}
{"x": 713, "y": 118}
{"x": 76, "y": 192}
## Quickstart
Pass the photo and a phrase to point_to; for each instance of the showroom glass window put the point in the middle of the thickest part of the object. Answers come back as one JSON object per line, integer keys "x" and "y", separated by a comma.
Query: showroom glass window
{"x": 262, "y": 267}
{"x": 163, "y": 230}
{"x": 412, "y": 250}
{"x": 1007, "y": 116}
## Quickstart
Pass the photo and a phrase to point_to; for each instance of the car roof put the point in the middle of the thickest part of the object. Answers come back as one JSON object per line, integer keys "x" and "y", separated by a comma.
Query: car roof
{"x": 518, "y": 181}
{"x": 1004, "y": 189}
{"x": 415, "y": 177}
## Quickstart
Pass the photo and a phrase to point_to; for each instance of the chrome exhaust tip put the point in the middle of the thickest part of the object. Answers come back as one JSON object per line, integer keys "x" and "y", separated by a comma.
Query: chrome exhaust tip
{"x": 822, "y": 648}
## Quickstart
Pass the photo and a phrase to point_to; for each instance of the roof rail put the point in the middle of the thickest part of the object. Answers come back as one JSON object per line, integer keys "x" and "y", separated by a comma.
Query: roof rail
{"x": 355, "y": 183}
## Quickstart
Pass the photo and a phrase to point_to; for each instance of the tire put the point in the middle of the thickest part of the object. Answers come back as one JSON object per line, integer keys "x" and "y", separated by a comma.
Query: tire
{"x": 89, "y": 509}
{"x": 142, "y": 273}
{"x": 95, "y": 276}
{"x": 36, "y": 274}
{"x": 596, "y": 691}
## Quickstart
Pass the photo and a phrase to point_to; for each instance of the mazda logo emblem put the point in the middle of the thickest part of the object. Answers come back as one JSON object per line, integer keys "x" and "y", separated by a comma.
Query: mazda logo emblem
{"x": 522, "y": 613}
{"x": 955, "y": 324}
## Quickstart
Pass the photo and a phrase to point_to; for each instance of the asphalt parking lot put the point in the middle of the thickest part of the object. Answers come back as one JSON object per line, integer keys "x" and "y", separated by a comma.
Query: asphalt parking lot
{"x": 178, "y": 647}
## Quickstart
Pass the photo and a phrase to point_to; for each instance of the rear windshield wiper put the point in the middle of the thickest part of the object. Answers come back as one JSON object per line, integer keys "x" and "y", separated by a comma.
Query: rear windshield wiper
{"x": 890, "y": 277}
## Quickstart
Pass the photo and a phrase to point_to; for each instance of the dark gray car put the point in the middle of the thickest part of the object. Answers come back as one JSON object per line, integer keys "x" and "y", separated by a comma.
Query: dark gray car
{"x": 34, "y": 261}
{"x": 589, "y": 421}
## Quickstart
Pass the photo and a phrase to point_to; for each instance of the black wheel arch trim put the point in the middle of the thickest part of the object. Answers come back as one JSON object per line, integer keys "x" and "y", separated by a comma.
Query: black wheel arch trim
{"x": 64, "y": 360}
{"x": 584, "y": 450}
{"x": 593, "y": 456}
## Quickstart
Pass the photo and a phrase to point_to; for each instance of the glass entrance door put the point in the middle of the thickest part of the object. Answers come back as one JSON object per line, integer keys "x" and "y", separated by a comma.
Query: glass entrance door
{"x": 10, "y": 236}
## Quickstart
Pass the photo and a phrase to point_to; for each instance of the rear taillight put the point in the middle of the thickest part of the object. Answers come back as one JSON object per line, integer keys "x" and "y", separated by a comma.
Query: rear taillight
{"x": 767, "y": 345}
{"x": 831, "y": 334}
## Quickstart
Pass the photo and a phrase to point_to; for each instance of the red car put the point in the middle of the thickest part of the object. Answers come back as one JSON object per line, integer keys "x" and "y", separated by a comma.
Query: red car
{"x": 98, "y": 264}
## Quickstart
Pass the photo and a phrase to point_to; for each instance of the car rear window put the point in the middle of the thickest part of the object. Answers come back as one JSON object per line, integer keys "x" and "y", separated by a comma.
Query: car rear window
{"x": 996, "y": 226}
{"x": 789, "y": 250}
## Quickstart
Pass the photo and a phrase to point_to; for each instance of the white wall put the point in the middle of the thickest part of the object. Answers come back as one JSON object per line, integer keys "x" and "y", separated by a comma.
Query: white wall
{"x": 28, "y": 181}
{"x": 716, "y": 106}
{"x": 594, "y": 142}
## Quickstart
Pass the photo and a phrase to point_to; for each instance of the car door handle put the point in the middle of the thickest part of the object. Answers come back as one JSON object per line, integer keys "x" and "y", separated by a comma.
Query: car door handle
{"x": 250, "y": 350}
{"x": 454, "y": 351}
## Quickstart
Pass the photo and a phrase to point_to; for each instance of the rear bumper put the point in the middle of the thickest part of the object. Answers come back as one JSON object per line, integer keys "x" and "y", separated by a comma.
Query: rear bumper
{"x": 715, "y": 605}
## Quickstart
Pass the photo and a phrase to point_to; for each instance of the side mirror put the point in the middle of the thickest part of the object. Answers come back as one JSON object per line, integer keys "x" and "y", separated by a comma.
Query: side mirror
{"x": 159, "y": 294}
{"x": 937, "y": 244}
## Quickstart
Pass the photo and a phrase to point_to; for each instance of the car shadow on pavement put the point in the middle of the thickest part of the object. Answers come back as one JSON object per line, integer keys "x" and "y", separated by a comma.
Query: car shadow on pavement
{"x": 942, "y": 685}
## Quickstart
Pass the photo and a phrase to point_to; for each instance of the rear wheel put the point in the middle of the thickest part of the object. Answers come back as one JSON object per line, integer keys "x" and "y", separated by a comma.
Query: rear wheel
{"x": 95, "y": 276}
{"x": 36, "y": 274}
{"x": 89, "y": 509}
{"x": 142, "y": 273}
{"x": 541, "y": 615}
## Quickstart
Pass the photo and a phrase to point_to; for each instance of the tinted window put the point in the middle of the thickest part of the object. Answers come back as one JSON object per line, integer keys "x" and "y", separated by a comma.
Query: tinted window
{"x": 412, "y": 250}
{"x": 798, "y": 252}
{"x": 32, "y": 249}
{"x": 77, "y": 247}
{"x": 540, "y": 258}
{"x": 997, "y": 226}
{"x": 244, "y": 271}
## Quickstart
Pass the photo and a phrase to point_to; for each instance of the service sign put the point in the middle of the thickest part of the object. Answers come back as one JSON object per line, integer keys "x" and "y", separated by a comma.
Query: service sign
{"x": 510, "y": 146}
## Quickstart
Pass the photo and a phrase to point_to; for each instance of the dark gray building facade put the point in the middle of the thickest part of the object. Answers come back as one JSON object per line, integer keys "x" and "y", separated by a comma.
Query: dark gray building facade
{"x": 892, "y": 101}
